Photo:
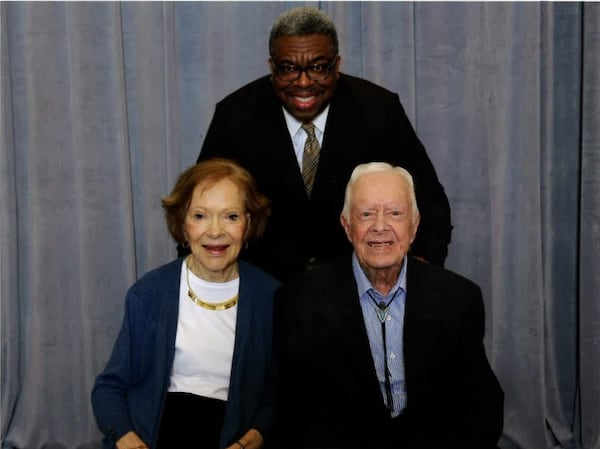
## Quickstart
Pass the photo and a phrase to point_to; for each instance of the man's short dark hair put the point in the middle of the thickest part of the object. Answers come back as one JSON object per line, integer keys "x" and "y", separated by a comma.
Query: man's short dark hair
{"x": 303, "y": 21}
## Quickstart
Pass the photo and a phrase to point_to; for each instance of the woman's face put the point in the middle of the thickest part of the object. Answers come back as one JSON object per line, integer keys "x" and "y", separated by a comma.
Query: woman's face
{"x": 215, "y": 226}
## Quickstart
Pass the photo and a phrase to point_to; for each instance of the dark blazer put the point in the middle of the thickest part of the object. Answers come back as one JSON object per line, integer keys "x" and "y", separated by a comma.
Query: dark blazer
{"x": 329, "y": 394}
{"x": 130, "y": 393}
{"x": 366, "y": 123}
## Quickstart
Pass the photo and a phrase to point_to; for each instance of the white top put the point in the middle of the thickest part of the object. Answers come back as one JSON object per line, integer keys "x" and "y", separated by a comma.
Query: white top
{"x": 299, "y": 136}
{"x": 205, "y": 339}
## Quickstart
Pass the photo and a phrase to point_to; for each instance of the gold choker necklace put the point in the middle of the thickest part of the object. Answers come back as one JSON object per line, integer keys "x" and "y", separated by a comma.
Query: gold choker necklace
{"x": 207, "y": 305}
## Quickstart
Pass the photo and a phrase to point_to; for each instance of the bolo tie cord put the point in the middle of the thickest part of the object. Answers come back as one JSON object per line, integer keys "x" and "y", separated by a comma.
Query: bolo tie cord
{"x": 382, "y": 314}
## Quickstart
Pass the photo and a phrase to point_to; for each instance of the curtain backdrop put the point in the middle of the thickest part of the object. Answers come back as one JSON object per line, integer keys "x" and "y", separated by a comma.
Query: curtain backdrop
{"x": 104, "y": 104}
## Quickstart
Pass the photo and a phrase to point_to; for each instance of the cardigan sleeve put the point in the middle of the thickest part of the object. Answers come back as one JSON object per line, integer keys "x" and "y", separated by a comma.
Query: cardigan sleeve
{"x": 109, "y": 395}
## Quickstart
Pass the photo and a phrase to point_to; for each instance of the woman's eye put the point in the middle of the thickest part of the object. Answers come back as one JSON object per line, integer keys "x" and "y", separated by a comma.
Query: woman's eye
{"x": 233, "y": 217}
{"x": 198, "y": 216}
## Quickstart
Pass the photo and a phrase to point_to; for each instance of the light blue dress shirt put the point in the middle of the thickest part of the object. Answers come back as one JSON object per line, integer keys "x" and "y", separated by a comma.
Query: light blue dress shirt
{"x": 394, "y": 325}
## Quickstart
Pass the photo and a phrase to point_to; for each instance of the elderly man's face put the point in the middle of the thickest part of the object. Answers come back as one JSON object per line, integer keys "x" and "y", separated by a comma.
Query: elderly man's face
{"x": 304, "y": 97}
{"x": 380, "y": 226}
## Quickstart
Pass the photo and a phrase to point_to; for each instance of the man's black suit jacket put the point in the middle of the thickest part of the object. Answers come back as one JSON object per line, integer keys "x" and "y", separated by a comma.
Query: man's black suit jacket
{"x": 365, "y": 123}
{"x": 329, "y": 393}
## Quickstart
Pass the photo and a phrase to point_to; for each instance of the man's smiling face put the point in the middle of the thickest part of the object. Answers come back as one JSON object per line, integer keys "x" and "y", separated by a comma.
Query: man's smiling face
{"x": 382, "y": 224}
{"x": 304, "y": 98}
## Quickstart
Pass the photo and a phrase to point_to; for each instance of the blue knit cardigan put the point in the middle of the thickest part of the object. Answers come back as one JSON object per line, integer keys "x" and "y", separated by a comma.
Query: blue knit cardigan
{"x": 130, "y": 393}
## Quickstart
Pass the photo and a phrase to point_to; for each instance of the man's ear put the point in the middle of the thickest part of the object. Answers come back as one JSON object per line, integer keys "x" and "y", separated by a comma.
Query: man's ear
{"x": 337, "y": 67}
{"x": 415, "y": 227}
{"x": 346, "y": 226}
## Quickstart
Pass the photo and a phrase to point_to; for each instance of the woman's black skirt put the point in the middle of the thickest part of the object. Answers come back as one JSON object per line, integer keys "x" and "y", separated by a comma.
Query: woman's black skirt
{"x": 190, "y": 420}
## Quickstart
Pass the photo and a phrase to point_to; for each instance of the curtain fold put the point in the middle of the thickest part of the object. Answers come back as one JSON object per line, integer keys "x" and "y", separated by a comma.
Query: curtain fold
{"x": 561, "y": 95}
{"x": 103, "y": 104}
{"x": 589, "y": 261}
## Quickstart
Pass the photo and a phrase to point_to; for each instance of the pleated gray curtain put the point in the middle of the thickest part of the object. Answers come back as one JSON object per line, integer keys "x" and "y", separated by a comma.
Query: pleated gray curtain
{"x": 588, "y": 310}
{"x": 104, "y": 104}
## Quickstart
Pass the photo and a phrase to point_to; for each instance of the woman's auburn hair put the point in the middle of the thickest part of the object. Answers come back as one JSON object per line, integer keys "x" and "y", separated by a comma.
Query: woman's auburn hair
{"x": 207, "y": 173}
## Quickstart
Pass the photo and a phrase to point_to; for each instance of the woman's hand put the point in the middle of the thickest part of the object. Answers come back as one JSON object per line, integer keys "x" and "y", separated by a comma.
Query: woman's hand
{"x": 251, "y": 440}
{"x": 131, "y": 440}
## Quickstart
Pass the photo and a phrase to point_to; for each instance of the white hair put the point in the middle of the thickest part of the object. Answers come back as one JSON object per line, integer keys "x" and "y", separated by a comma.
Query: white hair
{"x": 374, "y": 167}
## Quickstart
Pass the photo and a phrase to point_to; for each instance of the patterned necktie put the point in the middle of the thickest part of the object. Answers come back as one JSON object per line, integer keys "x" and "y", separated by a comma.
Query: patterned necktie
{"x": 310, "y": 159}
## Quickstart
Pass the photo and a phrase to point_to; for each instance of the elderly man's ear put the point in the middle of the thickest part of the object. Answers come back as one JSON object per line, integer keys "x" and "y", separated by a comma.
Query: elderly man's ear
{"x": 346, "y": 226}
{"x": 415, "y": 228}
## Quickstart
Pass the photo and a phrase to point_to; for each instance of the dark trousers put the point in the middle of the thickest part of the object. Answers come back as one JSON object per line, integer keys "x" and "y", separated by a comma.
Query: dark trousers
{"x": 190, "y": 420}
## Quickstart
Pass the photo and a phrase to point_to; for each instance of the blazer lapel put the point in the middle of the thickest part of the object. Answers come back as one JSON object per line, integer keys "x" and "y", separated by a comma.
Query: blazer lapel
{"x": 419, "y": 319}
{"x": 343, "y": 315}
{"x": 279, "y": 154}
{"x": 341, "y": 143}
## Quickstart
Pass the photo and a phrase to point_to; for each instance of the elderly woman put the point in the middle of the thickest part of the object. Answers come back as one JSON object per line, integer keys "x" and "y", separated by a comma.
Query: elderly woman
{"x": 192, "y": 362}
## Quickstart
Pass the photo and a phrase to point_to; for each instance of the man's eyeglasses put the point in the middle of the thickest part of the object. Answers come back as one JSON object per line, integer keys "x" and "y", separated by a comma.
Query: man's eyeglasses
{"x": 316, "y": 72}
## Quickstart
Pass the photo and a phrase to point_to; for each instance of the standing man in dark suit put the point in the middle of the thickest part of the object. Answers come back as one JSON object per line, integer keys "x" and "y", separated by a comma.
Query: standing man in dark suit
{"x": 301, "y": 130}
{"x": 378, "y": 349}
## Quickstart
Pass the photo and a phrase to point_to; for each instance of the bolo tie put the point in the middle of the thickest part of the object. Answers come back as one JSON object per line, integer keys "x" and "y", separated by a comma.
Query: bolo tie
{"x": 383, "y": 310}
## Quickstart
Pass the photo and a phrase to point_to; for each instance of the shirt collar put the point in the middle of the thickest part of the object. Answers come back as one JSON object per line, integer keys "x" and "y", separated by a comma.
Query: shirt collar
{"x": 293, "y": 124}
{"x": 365, "y": 285}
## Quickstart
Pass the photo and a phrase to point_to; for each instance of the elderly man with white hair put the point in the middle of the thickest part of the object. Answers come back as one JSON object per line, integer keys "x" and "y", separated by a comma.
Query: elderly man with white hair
{"x": 381, "y": 350}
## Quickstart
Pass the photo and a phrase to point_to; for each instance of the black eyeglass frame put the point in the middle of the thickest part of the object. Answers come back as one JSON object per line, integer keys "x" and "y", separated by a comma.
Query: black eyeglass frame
{"x": 277, "y": 68}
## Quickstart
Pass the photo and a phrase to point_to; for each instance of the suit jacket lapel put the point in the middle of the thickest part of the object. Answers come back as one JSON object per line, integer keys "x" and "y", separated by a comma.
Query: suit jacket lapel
{"x": 282, "y": 160}
{"x": 341, "y": 143}
{"x": 342, "y": 312}
{"x": 419, "y": 320}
